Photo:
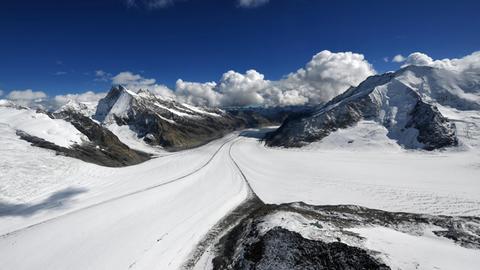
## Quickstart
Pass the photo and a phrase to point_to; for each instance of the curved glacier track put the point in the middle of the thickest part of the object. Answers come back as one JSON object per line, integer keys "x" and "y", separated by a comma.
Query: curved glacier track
{"x": 156, "y": 226}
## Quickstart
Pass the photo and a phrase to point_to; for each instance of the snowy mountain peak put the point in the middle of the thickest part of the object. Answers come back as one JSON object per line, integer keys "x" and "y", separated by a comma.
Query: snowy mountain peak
{"x": 404, "y": 102}
{"x": 83, "y": 108}
{"x": 117, "y": 102}
{"x": 160, "y": 121}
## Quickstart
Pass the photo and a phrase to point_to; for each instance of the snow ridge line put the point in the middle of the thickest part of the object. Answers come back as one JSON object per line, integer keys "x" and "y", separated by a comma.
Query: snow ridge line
{"x": 122, "y": 196}
{"x": 251, "y": 191}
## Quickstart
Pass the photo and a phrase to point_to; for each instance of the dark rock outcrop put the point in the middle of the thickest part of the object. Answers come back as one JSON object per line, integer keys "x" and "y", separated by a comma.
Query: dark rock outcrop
{"x": 283, "y": 249}
{"x": 259, "y": 241}
{"x": 435, "y": 131}
{"x": 163, "y": 122}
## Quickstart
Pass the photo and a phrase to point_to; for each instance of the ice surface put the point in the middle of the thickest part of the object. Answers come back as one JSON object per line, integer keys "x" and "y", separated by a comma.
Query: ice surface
{"x": 370, "y": 171}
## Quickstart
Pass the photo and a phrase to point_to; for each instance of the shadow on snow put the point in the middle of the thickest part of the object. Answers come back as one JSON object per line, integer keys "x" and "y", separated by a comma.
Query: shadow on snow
{"x": 58, "y": 199}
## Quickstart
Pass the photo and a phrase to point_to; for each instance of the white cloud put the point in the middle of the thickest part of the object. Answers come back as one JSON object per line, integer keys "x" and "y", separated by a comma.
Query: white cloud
{"x": 202, "y": 94}
{"x": 103, "y": 76}
{"x": 27, "y": 94}
{"x": 28, "y": 97}
{"x": 88, "y": 97}
{"x": 252, "y": 3}
{"x": 385, "y": 59}
{"x": 398, "y": 58}
{"x": 60, "y": 73}
{"x": 327, "y": 75}
{"x": 1, "y": 92}
{"x": 242, "y": 89}
{"x": 418, "y": 59}
{"x": 131, "y": 80}
{"x": 237, "y": 89}
{"x": 470, "y": 62}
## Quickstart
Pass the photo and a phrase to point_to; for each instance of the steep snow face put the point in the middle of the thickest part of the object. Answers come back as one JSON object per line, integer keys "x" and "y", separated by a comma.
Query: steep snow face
{"x": 116, "y": 103}
{"x": 403, "y": 102}
{"x": 40, "y": 125}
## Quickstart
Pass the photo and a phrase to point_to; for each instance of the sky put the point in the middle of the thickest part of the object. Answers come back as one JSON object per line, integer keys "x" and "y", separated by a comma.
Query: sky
{"x": 58, "y": 47}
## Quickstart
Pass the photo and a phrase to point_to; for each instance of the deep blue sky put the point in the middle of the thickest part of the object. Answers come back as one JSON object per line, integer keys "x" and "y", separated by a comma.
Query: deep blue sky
{"x": 198, "y": 40}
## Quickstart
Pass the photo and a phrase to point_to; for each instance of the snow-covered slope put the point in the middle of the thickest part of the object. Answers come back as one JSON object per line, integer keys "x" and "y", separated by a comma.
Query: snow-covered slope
{"x": 403, "y": 102}
{"x": 161, "y": 122}
{"x": 40, "y": 125}
{"x": 84, "y": 108}
{"x": 70, "y": 133}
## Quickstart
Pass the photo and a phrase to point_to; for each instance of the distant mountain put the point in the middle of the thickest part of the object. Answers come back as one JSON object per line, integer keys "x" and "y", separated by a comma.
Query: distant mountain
{"x": 404, "y": 102}
{"x": 265, "y": 116}
{"x": 84, "y": 108}
{"x": 163, "y": 122}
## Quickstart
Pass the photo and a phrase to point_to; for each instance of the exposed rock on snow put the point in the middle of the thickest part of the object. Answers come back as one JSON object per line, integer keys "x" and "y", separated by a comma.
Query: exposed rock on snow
{"x": 40, "y": 125}
{"x": 283, "y": 249}
{"x": 70, "y": 133}
{"x": 104, "y": 148}
{"x": 301, "y": 236}
{"x": 403, "y": 102}
{"x": 163, "y": 122}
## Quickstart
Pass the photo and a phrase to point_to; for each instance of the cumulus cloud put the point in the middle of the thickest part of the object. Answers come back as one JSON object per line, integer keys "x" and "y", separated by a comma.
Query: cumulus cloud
{"x": 242, "y": 89}
{"x": 252, "y": 3}
{"x": 202, "y": 94}
{"x": 327, "y": 75}
{"x": 398, "y": 58}
{"x": 418, "y": 59}
{"x": 467, "y": 63}
{"x": 237, "y": 89}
